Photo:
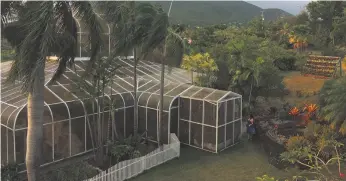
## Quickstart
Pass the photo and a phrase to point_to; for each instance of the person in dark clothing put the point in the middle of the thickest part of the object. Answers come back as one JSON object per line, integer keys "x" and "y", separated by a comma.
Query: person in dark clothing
{"x": 251, "y": 130}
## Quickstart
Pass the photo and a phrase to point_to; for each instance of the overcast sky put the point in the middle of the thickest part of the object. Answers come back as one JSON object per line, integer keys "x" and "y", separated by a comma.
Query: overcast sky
{"x": 293, "y": 7}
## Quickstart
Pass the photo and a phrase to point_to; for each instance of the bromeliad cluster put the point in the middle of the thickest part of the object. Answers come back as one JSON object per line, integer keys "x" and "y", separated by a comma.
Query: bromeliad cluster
{"x": 304, "y": 114}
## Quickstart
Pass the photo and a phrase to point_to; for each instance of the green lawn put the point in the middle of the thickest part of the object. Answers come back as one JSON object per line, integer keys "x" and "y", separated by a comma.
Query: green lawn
{"x": 244, "y": 162}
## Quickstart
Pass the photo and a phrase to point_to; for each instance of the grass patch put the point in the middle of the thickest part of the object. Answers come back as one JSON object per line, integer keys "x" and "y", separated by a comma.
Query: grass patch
{"x": 244, "y": 162}
{"x": 308, "y": 86}
{"x": 295, "y": 81}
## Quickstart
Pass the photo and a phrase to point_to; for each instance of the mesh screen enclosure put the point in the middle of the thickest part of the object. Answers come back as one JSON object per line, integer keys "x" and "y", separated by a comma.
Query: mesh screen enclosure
{"x": 203, "y": 118}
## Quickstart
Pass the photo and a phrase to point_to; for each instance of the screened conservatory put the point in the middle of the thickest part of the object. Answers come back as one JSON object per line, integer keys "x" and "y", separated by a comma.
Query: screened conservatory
{"x": 68, "y": 118}
{"x": 204, "y": 118}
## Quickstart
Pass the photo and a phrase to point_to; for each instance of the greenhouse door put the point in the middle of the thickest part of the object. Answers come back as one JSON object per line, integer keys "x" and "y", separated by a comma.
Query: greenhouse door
{"x": 174, "y": 117}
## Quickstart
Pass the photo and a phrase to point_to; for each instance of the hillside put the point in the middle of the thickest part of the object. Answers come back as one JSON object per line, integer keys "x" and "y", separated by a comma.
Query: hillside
{"x": 271, "y": 14}
{"x": 216, "y": 12}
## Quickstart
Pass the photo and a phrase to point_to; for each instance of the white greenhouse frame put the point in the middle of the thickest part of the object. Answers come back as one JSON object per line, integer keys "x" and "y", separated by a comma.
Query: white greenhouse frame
{"x": 177, "y": 84}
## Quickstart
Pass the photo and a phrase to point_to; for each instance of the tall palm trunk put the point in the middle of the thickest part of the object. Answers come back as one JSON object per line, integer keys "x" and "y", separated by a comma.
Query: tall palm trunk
{"x": 135, "y": 102}
{"x": 135, "y": 93}
{"x": 162, "y": 86}
{"x": 34, "y": 137}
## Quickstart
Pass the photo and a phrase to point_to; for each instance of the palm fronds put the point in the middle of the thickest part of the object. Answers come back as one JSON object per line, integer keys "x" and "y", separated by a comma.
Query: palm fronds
{"x": 85, "y": 12}
{"x": 32, "y": 52}
{"x": 333, "y": 101}
{"x": 42, "y": 32}
{"x": 66, "y": 39}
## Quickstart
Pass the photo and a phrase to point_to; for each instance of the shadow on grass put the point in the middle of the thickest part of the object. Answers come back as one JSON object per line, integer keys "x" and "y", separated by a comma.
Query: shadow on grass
{"x": 243, "y": 162}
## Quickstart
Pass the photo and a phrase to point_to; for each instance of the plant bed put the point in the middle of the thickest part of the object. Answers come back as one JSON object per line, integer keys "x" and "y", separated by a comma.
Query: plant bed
{"x": 74, "y": 172}
{"x": 274, "y": 135}
{"x": 130, "y": 168}
{"x": 273, "y": 150}
{"x": 124, "y": 154}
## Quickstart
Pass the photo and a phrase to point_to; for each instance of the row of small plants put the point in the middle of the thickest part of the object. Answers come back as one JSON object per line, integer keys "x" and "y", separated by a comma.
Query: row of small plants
{"x": 321, "y": 62}
{"x": 322, "y": 73}
{"x": 300, "y": 93}
{"x": 316, "y": 76}
{"x": 319, "y": 71}
{"x": 320, "y": 66}
{"x": 316, "y": 66}
{"x": 323, "y": 58}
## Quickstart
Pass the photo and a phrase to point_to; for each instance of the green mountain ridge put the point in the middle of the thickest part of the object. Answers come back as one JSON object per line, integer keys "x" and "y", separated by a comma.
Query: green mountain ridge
{"x": 199, "y": 13}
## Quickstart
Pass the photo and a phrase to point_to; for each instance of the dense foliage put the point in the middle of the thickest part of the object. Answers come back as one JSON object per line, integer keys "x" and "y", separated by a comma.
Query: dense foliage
{"x": 246, "y": 62}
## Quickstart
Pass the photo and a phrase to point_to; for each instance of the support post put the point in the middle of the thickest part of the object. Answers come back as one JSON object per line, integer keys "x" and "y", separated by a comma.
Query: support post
{"x": 217, "y": 126}
{"x": 340, "y": 64}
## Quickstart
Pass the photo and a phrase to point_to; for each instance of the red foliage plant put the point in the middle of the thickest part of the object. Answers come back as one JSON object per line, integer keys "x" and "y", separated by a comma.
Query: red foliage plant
{"x": 310, "y": 109}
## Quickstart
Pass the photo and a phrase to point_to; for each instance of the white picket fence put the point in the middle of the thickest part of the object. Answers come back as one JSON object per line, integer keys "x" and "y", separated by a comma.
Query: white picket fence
{"x": 131, "y": 168}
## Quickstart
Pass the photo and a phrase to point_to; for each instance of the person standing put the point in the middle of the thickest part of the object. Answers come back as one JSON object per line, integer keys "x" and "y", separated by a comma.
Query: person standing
{"x": 251, "y": 130}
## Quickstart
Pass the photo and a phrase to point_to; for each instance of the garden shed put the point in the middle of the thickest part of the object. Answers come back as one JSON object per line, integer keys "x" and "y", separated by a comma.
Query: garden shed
{"x": 204, "y": 118}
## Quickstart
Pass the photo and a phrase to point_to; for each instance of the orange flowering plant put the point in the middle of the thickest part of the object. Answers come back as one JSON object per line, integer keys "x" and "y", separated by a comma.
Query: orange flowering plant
{"x": 294, "y": 112}
{"x": 310, "y": 108}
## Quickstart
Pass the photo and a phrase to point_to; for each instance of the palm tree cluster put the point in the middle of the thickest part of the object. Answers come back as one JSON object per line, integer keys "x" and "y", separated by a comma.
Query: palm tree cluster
{"x": 49, "y": 28}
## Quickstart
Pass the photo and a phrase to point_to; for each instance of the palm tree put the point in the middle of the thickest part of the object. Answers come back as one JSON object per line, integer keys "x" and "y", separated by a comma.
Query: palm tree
{"x": 101, "y": 76}
{"x": 333, "y": 103}
{"x": 45, "y": 27}
{"x": 170, "y": 46}
{"x": 142, "y": 27}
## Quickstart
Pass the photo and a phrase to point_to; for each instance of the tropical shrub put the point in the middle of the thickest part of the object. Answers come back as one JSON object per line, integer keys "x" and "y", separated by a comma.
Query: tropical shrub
{"x": 318, "y": 152}
{"x": 73, "y": 172}
{"x": 125, "y": 148}
{"x": 202, "y": 64}
{"x": 10, "y": 172}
